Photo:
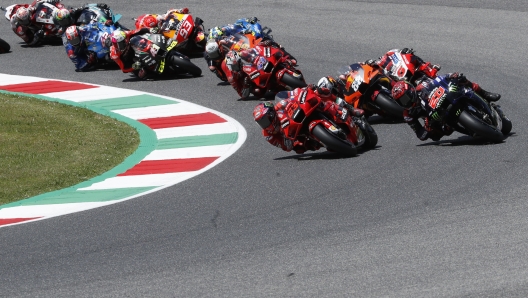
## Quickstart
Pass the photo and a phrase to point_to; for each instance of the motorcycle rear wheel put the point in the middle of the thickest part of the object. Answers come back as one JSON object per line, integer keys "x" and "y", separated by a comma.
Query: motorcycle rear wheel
{"x": 333, "y": 142}
{"x": 4, "y": 46}
{"x": 389, "y": 105}
{"x": 292, "y": 81}
{"x": 479, "y": 127}
{"x": 186, "y": 65}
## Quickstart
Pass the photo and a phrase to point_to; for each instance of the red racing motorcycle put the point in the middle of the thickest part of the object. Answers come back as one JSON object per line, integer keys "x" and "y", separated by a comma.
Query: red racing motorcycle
{"x": 307, "y": 122}
{"x": 269, "y": 69}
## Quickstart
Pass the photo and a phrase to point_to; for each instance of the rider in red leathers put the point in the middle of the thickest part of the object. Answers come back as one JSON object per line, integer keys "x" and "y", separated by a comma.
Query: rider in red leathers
{"x": 234, "y": 61}
{"x": 270, "y": 117}
{"x": 120, "y": 50}
{"x": 389, "y": 59}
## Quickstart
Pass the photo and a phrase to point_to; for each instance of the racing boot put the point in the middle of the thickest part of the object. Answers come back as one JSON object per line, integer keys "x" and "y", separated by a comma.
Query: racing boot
{"x": 489, "y": 96}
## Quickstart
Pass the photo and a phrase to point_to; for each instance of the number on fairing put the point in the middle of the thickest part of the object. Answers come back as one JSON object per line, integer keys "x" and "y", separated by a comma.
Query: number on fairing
{"x": 436, "y": 96}
{"x": 185, "y": 28}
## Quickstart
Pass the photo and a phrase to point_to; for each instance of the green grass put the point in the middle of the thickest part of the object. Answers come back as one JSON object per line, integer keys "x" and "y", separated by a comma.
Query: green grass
{"x": 46, "y": 146}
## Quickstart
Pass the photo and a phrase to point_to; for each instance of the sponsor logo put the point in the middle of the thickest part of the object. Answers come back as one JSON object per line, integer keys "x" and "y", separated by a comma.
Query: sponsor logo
{"x": 303, "y": 97}
{"x": 254, "y": 75}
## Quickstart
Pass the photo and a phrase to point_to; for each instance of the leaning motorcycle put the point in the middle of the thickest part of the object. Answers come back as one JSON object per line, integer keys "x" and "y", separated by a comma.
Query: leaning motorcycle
{"x": 162, "y": 55}
{"x": 188, "y": 33}
{"x": 94, "y": 14}
{"x": 465, "y": 111}
{"x": 42, "y": 24}
{"x": 269, "y": 70}
{"x": 242, "y": 26}
{"x": 4, "y": 46}
{"x": 404, "y": 66}
{"x": 307, "y": 121}
{"x": 369, "y": 89}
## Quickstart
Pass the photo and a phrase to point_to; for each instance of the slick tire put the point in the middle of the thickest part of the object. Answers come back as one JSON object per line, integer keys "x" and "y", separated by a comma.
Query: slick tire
{"x": 370, "y": 135}
{"x": 389, "y": 106}
{"x": 186, "y": 65}
{"x": 4, "y": 46}
{"x": 334, "y": 143}
{"x": 506, "y": 126}
{"x": 293, "y": 81}
{"x": 479, "y": 127}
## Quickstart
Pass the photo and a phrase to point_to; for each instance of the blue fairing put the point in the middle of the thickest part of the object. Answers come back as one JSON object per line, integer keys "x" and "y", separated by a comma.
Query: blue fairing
{"x": 94, "y": 37}
{"x": 240, "y": 25}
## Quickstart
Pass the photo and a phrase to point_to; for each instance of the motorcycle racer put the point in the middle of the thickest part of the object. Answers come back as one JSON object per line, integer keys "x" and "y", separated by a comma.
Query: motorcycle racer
{"x": 270, "y": 117}
{"x": 64, "y": 18}
{"x": 156, "y": 21}
{"x": 425, "y": 91}
{"x": 217, "y": 48}
{"x": 120, "y": 51}
{"x": 26, "y": 25}
{"x": 390, "y": 59}
{"x": 234, "y": 61}
{"x": 85, "y": 46}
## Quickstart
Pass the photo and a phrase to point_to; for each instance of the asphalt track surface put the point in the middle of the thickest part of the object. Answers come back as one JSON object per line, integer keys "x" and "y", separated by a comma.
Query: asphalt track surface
{"x": 408, "y": 219}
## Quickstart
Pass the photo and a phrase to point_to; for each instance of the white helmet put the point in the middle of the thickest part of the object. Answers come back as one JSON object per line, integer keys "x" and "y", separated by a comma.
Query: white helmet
{"x": 119, "y": 38}
{"x": 212, "y": 50}
{"x": 23, "y": 15}
{"x": 326, "y": 85}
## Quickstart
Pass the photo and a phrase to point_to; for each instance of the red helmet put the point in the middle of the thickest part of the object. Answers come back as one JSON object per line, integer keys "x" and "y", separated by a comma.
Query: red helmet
{"x": 265, "y": 115}
{"x": 146, "y": 21}
{"x": 404, "y": 93}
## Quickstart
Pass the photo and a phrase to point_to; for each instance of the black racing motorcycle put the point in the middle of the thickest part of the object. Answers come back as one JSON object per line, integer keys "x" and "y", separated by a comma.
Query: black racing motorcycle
{"x": 156, "y": 53}
{"x": 465, "y": 111}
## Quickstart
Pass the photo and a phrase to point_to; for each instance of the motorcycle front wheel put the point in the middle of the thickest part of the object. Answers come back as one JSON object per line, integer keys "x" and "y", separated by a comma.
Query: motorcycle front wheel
{"x": 186, "y": 65}
{"x": 4, "y": 46}
{"x": 389, "y": 105}
{"x": 292, "y": 81}
{"x": 334, "y": 143}
{"x": 479, "y": 127}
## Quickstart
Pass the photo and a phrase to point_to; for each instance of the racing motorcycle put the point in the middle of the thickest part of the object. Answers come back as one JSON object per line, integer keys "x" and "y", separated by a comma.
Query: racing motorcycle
{"x": 188, "y": 33}
{"x": 93, "y": 14}
{"x": 4, "y": 46}
{"x": 404, "y": 66}
{"x": 95, "y": 41}
{"x": 368, "y": 88}
{"x": 307, "y": 122}
{"x": 462, "y": 109}
{"x": 242, "y": 26}
{"x": 160, "y": 55}
{"x": 42, "y": 23}
{"x": 268, "y": 69}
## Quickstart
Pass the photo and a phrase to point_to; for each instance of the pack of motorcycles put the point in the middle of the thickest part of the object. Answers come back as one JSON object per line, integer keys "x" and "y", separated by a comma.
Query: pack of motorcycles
{"x": 268, "y": 69}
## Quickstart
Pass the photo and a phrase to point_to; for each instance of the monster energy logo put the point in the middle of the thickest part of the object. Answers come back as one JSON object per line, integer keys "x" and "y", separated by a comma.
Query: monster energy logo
{"x": 435, "y": 116}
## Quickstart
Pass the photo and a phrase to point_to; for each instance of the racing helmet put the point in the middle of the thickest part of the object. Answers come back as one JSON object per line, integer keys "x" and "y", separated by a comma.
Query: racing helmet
{"x": 119, "y": 39}
{"x": 62, "y": 17}
{"x": 212, "y": 49}
{"x": 266, "y": 117}
{"x": 233, "y": 61}
{"x": 23, "y": 16}
{"x": 146, "y": 21}
{"x": 404, "y": 93}
{"x": 72, "y": 35}
{"x": 327, "y": 86}
{"x": 140, "y": 44}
